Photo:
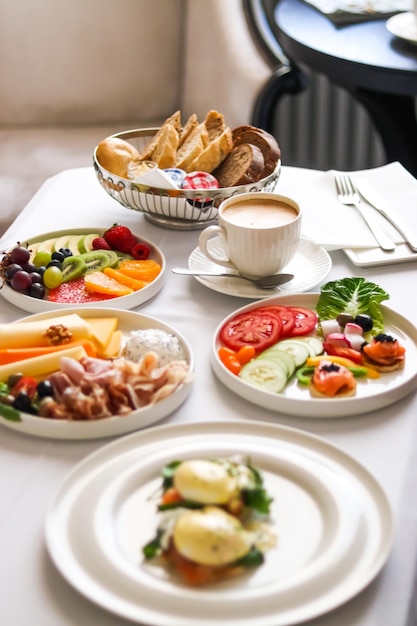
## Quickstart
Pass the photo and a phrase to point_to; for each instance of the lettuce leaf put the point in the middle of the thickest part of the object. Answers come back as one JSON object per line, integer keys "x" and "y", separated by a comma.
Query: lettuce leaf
{"x": 352, "y": 295}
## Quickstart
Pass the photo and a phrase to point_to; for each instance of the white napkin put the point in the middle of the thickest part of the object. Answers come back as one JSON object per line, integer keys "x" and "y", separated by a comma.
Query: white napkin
{"x": 333, "y": 225}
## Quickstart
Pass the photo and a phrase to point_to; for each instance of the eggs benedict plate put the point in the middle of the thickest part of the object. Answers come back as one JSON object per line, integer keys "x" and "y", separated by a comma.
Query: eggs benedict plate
{"x": 210, "y": 526}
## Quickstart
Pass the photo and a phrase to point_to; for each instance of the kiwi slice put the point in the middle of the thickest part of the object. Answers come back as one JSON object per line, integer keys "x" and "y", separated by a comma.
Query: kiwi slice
{"x": 97, "y": 260}
{"x": 72, "y": 267}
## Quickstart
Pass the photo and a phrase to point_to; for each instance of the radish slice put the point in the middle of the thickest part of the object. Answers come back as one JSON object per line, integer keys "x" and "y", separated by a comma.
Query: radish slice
{"x": 353, "y": 329}
{"x": 329, "y": 326}
{"x": 355, "y": 340}
{"x": 338, "y": 339}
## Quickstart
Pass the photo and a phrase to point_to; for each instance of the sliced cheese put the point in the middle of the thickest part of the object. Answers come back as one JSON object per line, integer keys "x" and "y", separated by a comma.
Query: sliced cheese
{"x": 39, "y": 366}
{"x": 113, "y": 347}
{"x": 102, "y": 329}
{"x": 31, "y": 334}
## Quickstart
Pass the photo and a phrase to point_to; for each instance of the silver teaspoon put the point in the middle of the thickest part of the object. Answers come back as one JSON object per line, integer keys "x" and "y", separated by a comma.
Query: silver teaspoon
{"x": 266, "y": 282}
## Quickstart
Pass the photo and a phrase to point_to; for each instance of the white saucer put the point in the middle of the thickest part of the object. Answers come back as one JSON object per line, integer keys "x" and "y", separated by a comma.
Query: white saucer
{"x": 310, "y": 265}
{"x": 404, "y": 25}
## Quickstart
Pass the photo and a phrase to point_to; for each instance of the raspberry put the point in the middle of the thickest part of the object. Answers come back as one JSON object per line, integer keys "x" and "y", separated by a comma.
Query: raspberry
{"x": 140, "y": 251}
{"x": 120, "y": 238}
{"x": 99, "y": 243}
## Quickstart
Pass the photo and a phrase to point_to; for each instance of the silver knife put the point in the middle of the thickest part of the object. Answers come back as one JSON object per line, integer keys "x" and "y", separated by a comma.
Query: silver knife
{"x": 373, "y": 197}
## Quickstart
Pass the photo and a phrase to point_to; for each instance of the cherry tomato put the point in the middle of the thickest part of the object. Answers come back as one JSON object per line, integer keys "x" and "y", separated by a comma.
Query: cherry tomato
{"x": 229, "y": 359}
{"x": 285, "y": 313}
{"x": 347, "y": 353}
{"x": 25, "y": 384}
{"x": 305, "y": 321}
{"x": 245, "y": 354}
{"x": 252, "y": 328}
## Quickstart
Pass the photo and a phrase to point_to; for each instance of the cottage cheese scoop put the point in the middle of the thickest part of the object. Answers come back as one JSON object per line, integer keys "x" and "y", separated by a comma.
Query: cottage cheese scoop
{"x": 166, "y": 345}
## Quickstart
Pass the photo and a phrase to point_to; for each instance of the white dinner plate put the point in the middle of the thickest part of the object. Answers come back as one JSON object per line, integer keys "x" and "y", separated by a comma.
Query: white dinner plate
{"x": 110, "y": 426}
{"x": 34, "y": 305}
{"x": 296, "y": 400}
{"x": 404, "y": 26}
{"x": 332, "y": 520}
{"x": 310, "y": 265}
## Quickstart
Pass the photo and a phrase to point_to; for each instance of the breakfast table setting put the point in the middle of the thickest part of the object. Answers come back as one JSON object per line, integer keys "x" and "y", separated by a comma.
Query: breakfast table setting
{"x": 70, "y": 515}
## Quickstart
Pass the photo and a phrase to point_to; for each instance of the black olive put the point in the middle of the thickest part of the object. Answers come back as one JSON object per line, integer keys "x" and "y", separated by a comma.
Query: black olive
{"x": 45, "y": 388}
{"x": 344, "y": 318}
{"x": 22, "y": 402}
{"x": 364, "y": 321}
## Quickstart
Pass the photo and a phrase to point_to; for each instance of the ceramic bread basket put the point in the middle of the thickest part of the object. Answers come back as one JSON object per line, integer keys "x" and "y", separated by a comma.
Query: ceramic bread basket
{"x": 171, "y": 208}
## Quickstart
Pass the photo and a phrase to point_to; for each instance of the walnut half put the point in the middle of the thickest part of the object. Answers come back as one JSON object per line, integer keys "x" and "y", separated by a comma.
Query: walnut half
{"x": 58, "y": 335}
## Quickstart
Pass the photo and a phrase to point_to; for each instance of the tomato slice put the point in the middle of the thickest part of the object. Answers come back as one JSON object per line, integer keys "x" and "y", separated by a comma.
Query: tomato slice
{"x": 252, "y": 328}
{"x": 285, "y": 313}
{"x": 305, "y": 321}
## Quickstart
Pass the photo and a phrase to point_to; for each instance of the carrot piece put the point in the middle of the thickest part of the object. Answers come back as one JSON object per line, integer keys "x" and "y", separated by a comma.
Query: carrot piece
{"x": 170, "y": 496}
{"x": 14, "y": 355}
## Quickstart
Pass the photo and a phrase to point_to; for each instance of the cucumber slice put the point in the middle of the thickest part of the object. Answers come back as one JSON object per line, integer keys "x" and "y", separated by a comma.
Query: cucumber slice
{"x": 297, "y": 349}
{"x": 267, "y": 374}
{"x": 314, "y": 344}
{"x": 283, "y": 357}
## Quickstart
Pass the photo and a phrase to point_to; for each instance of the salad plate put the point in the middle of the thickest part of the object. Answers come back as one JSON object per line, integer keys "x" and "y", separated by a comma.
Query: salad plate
{"x": 332, "y": 520}
{"x": 310, "y": 265}
{"x": 35, "y": 305}
{"x": 296, "y": 400}
{"x": 128, "y": 321}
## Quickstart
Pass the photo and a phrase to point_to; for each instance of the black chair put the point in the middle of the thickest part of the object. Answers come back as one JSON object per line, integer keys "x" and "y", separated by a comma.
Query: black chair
{"x": 286, "y": 78}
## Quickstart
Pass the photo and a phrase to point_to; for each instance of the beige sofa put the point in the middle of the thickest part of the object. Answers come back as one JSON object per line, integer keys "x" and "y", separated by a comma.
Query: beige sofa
{"x": 74, "y": 72}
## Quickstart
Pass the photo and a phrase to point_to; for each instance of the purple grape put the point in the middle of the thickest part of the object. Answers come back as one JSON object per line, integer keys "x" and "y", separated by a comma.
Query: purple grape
{"x": 21, "y": 282}
{"x": 37, "y": 290}
{"x": 30, "y": 267}
{"x": 11, "y": 270}
{"x": 35, "y": 277}
{"x": 20, "y": 255}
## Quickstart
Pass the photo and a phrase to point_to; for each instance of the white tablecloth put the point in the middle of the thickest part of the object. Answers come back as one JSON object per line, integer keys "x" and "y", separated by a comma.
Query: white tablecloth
{"x": 32, "y": 469}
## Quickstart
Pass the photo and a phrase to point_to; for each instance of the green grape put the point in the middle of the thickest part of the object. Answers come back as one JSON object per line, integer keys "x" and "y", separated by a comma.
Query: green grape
{"x": 42, "y": 258}
{"x": 52, "y": 277}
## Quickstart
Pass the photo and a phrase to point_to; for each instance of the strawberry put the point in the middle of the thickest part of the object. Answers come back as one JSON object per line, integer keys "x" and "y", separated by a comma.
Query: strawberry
{"x": 120, "y": 238}
{"x": 140, "y": 251}
{"x": 99, "y": 243}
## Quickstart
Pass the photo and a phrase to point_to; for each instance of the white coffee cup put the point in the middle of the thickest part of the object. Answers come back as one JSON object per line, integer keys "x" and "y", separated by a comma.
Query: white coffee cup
{"x": 259, "y": 233}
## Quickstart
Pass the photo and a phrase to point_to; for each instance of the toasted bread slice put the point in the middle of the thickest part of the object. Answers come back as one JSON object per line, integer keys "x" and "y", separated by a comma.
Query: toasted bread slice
{"x": 175, "y": 121}
{"x": 192, "y": 147}
{"x": 216, "y": 151}
{"x": 188, "y": 128}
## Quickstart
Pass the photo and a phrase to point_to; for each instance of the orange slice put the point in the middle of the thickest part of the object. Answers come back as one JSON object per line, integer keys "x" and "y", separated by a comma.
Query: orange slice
{"x": 146, "y": 270}
{"x": 133, "y": 283}
{"x": 100, "y": 283}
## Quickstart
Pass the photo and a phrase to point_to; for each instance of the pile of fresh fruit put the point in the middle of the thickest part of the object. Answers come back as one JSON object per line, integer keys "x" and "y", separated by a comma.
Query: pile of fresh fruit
{"x": 80, "y": 268}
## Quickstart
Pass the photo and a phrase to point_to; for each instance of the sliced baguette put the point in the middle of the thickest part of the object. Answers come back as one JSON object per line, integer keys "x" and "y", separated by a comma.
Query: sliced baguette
{"x": 188, "y": 128}
{"x": 242, "y": 166}
{"x": 213, "y": 155}
{"x": 215, "y": 124}
{"x": 175, "y": 121}
{"x": 192, "y": 147}
{"x": 164, "y": 154}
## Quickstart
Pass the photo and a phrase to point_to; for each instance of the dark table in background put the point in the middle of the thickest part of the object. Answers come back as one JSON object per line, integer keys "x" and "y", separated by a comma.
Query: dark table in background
{"x": 377, "y": 68}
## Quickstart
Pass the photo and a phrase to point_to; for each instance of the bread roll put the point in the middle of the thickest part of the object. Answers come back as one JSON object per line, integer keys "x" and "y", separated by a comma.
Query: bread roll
{"x": 244, "y": 165}
{"x": 264, "y": 141}
{"x": 115, "y": 155}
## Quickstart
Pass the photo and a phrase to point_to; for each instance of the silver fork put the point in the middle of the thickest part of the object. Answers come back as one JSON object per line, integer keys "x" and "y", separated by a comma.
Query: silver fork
{"x": 347, "y": 194}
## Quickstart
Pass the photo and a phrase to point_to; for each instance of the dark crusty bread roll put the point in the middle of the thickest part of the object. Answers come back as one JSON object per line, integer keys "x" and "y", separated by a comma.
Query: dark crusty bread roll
{"x": 264, "y": 141}
{"x": 242, "y": 166}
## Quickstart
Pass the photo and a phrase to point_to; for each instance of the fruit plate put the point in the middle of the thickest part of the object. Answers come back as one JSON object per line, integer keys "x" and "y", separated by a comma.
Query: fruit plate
{"x": 34, "y": 305}
{"x": 107, "y": 427}
{"x": 296, "y": 400}
{"x": 332, "y": 519}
